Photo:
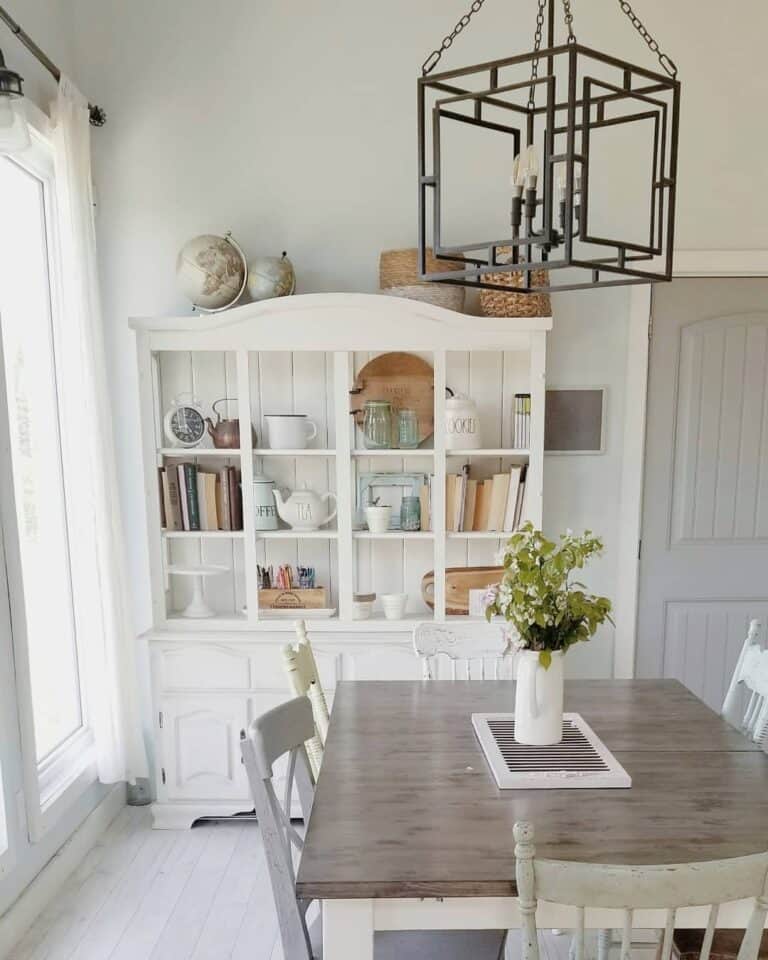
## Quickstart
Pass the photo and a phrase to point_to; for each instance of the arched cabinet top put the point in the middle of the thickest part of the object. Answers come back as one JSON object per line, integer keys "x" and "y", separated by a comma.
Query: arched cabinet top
{"x": 338, "y": 321}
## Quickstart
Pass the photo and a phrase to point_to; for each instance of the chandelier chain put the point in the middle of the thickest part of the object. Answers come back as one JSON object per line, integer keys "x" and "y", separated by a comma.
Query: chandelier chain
{"x": 569, "y": 20}
{"x": 667, "y": 63}
{"x": 542, "y": 6}
{"x": 434, "y": 58}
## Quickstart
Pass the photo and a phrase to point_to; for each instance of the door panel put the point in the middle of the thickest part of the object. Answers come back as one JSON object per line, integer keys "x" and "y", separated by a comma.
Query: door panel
{"x": 705, "y": 506}
{"x": 201, "y": 748}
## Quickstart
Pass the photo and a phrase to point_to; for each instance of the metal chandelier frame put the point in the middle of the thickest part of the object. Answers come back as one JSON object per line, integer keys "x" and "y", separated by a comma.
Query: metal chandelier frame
{"x": 547, "y": 232}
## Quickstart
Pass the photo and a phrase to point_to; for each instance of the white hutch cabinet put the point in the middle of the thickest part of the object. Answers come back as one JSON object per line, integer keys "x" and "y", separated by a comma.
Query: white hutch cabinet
{"x": 300, "y": 355}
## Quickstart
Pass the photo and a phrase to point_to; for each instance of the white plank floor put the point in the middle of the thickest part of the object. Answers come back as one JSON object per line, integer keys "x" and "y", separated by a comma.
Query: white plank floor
{"x": 201, "y": 894}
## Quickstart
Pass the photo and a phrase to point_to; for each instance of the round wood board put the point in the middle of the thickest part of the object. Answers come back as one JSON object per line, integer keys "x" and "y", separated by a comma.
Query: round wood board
{"x": 407, "y": 381}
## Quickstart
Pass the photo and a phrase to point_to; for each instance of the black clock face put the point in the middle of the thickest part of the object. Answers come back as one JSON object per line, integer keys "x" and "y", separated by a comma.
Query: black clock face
{"x": 187, "y": 425}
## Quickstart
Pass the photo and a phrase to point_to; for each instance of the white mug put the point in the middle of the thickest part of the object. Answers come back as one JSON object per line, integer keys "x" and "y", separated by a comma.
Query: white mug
{"x": 289, "y": 431}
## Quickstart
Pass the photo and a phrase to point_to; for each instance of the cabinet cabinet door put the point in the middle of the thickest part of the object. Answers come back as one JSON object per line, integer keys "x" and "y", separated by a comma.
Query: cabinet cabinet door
{"x": 201, "y": 748}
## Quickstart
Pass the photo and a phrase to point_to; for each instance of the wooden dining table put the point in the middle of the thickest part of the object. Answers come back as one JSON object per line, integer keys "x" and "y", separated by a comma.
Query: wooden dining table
{"x": 410, "y": 832}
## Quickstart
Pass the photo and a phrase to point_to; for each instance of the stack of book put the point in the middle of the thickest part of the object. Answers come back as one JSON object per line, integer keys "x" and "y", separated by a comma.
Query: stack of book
{"x": 522, "y": 438}
{"x": 195, "y": 499}
{"x": 485, "y": 505}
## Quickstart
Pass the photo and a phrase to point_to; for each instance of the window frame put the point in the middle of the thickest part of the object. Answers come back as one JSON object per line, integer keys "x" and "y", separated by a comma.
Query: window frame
{"x": 59, "y": 778}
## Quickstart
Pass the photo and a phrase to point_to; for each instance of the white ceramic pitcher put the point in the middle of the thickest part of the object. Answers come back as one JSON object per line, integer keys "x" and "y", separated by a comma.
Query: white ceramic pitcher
{"x": 539, "y": 699}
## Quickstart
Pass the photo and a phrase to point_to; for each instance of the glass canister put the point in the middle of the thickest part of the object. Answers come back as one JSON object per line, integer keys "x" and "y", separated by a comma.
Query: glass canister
{"x": 377, "y": 425}
{"x": 408, "y": 430}
{"x": 410, "y": 514}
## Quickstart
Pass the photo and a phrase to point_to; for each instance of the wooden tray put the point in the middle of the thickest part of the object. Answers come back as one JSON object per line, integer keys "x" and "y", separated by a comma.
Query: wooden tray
{"x": 296, "y": 599}
{"x": 407, "y": 381}
{"x": 458, "y": 582}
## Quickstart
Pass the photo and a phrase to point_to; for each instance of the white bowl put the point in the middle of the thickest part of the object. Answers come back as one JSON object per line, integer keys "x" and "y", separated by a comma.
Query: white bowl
{"x": 394, "y": 605}
{"x": 377, "y": 518}
{"x": 361, "y": 609}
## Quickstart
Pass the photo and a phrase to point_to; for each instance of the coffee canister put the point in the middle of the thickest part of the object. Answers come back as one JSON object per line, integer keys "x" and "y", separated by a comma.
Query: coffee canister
{"x": 462, "y": 425}
{"x": 264, "y": 509}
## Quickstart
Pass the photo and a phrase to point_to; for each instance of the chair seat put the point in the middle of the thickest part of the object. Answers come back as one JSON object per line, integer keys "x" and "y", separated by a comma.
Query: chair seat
{"x": 725, "y": 944}
{"x": 426, "y": 945}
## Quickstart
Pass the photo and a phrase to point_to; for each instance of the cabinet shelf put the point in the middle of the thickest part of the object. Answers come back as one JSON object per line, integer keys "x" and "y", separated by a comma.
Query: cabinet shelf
{"x": 304, "y": 452}
{"x": 394, "y": 452}
{"x": 479, "y": 534}
{"x": 197, "y": 452}
{"x": 393, "y": 535}
{"x": 297, "y": 534}
{"x": 203, "y": 534}
{"x": 490, "y": 452}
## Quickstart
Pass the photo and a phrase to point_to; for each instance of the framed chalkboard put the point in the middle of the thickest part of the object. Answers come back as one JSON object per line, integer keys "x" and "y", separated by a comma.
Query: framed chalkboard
{"x": 574, "y": 420}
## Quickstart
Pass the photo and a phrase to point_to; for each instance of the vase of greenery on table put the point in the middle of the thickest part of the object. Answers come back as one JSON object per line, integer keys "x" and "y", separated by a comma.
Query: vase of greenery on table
{"x": 548, "y": 611}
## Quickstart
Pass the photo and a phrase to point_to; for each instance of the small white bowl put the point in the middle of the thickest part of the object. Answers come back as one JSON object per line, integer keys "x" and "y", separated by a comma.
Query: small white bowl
{"x": 394, "y": 605}
{"x": 377, "y": 518}
{"x": 361, "y": 609}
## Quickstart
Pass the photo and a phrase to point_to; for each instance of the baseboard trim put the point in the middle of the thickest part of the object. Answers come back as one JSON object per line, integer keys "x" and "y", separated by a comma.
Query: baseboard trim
{"x": 20, "y": 916}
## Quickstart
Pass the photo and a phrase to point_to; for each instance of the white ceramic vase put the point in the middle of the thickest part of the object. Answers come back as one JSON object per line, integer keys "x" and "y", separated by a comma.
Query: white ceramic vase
{"x": 539, "y": 699}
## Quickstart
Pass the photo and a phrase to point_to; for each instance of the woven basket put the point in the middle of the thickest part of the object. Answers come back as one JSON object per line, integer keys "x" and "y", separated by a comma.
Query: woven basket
{"x": 399, "y": 277}
{"x": 441, "y": 294}
{"x": 502, "y": 303}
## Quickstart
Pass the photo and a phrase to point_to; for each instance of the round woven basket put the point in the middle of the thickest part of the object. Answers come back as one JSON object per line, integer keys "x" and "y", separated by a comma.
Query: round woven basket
{"x": 399, "y": 277}
{"x": 441, "y": 294}
{"x": 503, "y": 303}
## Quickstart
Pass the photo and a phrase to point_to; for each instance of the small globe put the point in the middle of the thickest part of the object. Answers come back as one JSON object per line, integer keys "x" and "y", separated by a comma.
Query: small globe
{"x": 271, "y": 277}
{"x": 211, "y": 271}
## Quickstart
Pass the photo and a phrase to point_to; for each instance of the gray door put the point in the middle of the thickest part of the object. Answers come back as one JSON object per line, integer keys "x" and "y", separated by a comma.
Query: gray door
{"x": 704, "y": 558}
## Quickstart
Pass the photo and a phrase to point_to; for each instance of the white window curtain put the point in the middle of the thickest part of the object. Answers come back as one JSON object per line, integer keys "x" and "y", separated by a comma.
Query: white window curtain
{"x": 107, "y": 640}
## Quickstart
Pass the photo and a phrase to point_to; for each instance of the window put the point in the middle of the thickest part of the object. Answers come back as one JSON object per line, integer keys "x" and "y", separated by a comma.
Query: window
{"x": 43, "y": 612}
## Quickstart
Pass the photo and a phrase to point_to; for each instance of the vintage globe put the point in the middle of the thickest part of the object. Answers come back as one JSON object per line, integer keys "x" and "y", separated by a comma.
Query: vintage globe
{"x": 211, "y": 271}
{"x": 271, "y": 277}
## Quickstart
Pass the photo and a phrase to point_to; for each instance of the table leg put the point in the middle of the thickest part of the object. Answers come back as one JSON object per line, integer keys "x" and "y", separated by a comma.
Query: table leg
{"x": 347, "y": 929}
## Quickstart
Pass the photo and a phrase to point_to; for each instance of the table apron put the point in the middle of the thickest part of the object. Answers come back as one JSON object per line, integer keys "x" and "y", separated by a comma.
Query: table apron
{"x": 348, "y": 925}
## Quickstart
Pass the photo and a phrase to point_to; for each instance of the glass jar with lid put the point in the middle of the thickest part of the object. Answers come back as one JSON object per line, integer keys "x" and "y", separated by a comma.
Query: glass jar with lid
{"x": 377, "y": 425}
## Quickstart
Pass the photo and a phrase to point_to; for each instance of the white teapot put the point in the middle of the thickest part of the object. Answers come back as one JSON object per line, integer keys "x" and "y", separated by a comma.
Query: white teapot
{"x": 305, "y": 509}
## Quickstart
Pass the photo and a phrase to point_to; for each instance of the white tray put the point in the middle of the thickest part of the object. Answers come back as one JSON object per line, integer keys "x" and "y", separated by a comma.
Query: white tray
{"x": 580, "y": 761}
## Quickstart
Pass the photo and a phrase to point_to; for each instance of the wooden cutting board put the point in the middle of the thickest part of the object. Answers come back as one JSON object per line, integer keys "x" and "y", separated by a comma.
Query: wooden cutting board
{"x": 458, "y": 582}
{"x": 407, "y": 381}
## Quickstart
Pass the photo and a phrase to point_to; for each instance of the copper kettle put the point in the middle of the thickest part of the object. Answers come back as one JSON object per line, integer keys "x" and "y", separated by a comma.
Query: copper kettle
{"x": 224, "y": 433}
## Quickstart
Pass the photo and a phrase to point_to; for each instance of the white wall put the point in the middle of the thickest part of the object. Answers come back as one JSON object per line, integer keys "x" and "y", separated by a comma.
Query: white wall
{"x": 293, "y": 125}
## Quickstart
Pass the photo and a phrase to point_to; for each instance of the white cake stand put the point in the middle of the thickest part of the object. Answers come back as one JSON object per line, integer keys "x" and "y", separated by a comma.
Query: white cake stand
{"x": 197, "y": 608}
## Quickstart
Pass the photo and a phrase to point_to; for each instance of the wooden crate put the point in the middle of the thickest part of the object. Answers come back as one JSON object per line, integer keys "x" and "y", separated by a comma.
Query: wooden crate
{"x": 292, "y": 599}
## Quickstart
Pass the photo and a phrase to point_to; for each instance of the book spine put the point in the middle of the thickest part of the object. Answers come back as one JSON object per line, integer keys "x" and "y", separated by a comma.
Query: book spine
{"x": 161, "y": 494}
{"x": 183, "y": 500}
{"x": 224, "y": 510}
{"x": 171, "y": 500}
{"x": 235, "y": 499}
{"x": 190, "y": 485}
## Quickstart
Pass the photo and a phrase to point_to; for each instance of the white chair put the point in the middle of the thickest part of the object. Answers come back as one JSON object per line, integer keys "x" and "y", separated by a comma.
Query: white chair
{"x": 605, "y": 891}
{"x": 284, "y": 731}
{"x": 469, "y": 658}
{"x": 751, "y": 674}
{"x": 301, "y": 669}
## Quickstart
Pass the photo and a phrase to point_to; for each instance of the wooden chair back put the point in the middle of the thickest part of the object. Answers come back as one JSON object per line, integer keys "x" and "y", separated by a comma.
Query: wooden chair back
{"x": 469, "y": 658}
{"x": 304, "y": 679}
{"x": 283, "y": 730}
{"x": 613, "y": 897}
{"x": 751, "y": 675}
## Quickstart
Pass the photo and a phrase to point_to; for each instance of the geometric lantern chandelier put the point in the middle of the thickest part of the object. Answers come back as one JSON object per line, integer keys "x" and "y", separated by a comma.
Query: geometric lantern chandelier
{"x": 553, "y": 170}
